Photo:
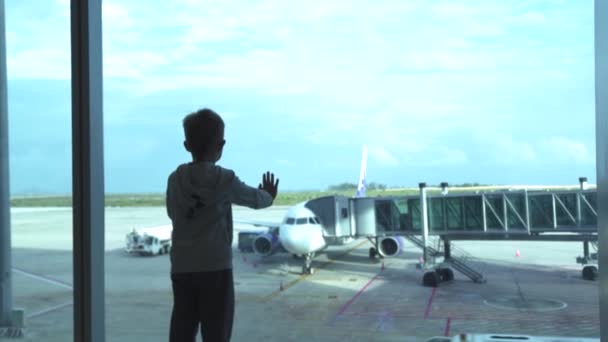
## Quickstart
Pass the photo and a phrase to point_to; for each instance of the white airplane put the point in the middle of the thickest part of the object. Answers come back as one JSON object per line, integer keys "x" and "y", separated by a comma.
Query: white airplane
{"x": 302, "y": 233}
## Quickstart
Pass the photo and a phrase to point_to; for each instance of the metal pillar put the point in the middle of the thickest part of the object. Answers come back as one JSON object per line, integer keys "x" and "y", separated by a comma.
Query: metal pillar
{"x": 87, "y": 171}
{"x": 447, "y": 248}
{"x": 601, "y": 136}
{"x": 425, "y": 222}
{"x": 6, "y": 296}
{"x": 579, "y": 195}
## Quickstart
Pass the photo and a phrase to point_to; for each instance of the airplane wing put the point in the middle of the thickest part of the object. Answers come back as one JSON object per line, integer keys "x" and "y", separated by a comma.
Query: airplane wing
{"x": 270, "y": 225}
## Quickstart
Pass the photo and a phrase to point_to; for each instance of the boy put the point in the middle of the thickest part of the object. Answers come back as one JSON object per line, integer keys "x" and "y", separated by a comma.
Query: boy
{"x": 199, "y": 198}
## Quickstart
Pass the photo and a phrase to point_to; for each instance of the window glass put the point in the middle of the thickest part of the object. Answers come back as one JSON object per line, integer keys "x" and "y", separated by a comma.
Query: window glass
{"x": 490, "y": 96}
{"x": 39, "y": 105}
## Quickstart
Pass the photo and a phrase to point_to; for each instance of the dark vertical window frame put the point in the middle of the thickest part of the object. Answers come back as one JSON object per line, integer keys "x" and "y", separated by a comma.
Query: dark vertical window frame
{"x": 601, "y": 136}
{"x": 87, "y": 171}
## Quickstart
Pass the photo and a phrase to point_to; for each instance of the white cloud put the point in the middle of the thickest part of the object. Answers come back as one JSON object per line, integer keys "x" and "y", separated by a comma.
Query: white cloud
{"x": 383, "y": 156}
{"x": 506, "y": 150}
{"x": 403, "y": 76}
{"x": 50, "y": 63}
{"x": 444, "y": 155}
{"x": 567, "y": 150}
{"x": 116, "y": 15}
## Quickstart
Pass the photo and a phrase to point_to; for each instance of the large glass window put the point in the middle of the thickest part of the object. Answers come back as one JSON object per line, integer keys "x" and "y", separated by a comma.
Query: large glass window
{"x": 479, "y": 94}
{"x": 39, "y": 103}
{"x": 486, "y": 93}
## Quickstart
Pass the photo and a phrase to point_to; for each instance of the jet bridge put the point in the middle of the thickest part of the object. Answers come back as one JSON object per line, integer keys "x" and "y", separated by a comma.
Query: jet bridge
{"x": 492, "y": 215}
{"x": 549, "y": 215}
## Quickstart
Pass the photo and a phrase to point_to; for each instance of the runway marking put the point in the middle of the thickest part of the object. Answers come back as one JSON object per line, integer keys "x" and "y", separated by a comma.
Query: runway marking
{"x": 448, "y": 323}
{"x": 48, "y": 310}
{"x": 345, "y": 306}
{"x": 430, "y": 303}
{"x": 43, "y": 278}
{"x": 304, "y": 276}
{"x": 352, "y": 300}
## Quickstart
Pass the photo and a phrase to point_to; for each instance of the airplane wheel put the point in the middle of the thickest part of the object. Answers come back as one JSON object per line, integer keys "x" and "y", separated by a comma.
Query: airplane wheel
{"x": 446, "y": 274}
{"x": 430, "y": 279}
{"x": 308, "y": 270}
{"x": 589, "y": 272}
{"x": 372, "y": 252}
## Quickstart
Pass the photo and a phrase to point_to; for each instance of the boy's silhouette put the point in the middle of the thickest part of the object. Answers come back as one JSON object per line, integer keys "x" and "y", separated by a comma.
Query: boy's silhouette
{"x": 200, "y": 195}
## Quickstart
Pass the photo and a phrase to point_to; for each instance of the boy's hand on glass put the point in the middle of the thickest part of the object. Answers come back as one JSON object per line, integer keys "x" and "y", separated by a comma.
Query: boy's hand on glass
{"x": 269, "y": 184}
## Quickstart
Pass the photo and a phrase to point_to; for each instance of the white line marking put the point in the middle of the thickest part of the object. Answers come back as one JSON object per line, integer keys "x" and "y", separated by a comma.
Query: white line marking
{"x": 51, "y": 309}
{"x": 43, "y": 278}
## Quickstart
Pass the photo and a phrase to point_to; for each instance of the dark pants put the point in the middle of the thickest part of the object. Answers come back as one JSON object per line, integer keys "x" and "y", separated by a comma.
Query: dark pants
{"x": 206, "y": 298}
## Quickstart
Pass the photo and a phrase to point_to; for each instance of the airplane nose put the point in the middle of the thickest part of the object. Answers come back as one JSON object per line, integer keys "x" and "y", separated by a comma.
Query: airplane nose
{"x": 301, "y": 240}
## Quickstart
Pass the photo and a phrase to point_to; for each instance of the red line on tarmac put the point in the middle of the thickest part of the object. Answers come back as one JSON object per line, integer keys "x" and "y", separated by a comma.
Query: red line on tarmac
{"x": 345, "y": 306}
{"x": 448, "y": 323}
{"x": 429, "y": 304}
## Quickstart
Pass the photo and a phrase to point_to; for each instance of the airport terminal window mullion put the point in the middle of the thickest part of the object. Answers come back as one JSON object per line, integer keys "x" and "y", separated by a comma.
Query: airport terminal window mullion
{"x": 601, "y": 135}
{"x": 87, "y": 171}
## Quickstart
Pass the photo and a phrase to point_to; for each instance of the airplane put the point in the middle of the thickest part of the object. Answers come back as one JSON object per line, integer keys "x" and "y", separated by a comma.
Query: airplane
{"x": 302, "y": 233}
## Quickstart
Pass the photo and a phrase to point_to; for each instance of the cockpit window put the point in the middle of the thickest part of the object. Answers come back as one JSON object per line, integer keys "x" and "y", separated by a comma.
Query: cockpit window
{"x": 317, "y": 220}
{"x": 311, "y": 220}
{"x": 301, "y": 220}
{"x": 290, "y": 220}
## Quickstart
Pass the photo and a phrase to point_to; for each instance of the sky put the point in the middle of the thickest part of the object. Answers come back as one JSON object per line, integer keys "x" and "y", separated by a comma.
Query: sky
{"x": 488, "y": 91}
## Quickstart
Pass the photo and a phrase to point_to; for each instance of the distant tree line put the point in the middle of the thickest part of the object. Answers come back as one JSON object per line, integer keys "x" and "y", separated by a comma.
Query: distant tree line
{"x": 353, "y": 187}
{"x": 466, "y": 185}
{"x": 379, "y": 186}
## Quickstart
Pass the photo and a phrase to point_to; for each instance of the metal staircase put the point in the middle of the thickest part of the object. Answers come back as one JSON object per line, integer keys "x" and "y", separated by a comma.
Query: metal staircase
{"x": 458, "y": 259}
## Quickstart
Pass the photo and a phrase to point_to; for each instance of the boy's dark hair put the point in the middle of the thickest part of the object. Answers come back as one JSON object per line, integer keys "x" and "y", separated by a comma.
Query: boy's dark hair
{"x": 202, "y": 129}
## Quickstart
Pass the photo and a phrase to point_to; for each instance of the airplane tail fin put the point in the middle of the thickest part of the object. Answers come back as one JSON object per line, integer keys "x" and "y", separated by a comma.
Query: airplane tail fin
{"x": 362, "y": 185}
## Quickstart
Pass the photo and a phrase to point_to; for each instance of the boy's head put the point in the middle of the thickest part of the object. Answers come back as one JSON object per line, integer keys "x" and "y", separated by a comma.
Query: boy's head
{"x": 204, "y": 131}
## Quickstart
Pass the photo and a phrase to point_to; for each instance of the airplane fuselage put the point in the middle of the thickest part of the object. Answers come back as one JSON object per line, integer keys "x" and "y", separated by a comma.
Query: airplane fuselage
{"x": 301, "y": 232}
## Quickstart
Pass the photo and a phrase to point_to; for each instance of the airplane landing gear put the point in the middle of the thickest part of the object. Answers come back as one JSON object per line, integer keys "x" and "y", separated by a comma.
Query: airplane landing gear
{"x": 373, "y": 251}
{"x": 306, "y": 268}
{"x": 589, "y": 272}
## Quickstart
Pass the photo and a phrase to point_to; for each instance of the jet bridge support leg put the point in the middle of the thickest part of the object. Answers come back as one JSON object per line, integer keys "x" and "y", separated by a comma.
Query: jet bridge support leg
{"x": 447, "y": 248}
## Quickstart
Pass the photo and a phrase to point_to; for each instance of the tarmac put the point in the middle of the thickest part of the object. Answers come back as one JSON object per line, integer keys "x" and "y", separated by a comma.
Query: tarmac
{"x": 532, "y": 288}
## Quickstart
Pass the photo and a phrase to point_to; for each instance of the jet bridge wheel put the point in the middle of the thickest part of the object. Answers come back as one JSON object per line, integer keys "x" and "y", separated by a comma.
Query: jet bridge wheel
{"x": 431, "y": 279}
{"x": 446, "y": 274}
{"x": 589, "y": 272}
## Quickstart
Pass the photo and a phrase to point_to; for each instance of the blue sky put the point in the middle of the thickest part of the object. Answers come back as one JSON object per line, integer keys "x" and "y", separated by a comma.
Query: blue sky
{"x": 492, "y": 91}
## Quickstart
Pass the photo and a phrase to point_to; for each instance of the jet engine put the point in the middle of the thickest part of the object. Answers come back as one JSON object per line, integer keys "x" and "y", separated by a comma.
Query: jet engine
{"x": 391, "y": 245}
{"x": 266, "y": 244}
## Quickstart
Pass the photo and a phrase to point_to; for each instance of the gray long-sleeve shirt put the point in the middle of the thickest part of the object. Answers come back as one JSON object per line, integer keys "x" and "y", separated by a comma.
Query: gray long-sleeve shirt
{"x": 199, "y": 202}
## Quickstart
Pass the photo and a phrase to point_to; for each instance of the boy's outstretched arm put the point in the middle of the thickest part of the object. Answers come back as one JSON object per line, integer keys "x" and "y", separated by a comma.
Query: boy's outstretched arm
{"x": 256, "y": 198}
